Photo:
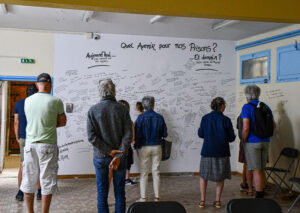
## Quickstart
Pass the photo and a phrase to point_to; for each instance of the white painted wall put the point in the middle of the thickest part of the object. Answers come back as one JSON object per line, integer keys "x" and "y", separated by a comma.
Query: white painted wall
{"x": 16, "y": 44}
{"x": 40, "y": 46}
{"x": 3, "y": 107}
{"x": 283, "y": 98}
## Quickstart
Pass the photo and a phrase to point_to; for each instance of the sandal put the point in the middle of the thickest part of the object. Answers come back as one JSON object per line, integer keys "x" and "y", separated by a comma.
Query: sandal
{"x": 243, "y": 188}
{"x": 217, "y": 204}
{"x": 201, "y": 204}
{"x": 251, "y": 194}
{"x": 156, "y": 199}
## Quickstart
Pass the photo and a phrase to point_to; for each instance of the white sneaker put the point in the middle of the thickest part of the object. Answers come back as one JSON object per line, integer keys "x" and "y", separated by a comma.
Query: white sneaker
{"x": 141, "y": 200}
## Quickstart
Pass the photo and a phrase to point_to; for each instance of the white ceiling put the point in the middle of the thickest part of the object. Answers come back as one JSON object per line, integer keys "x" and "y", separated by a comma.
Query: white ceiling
{"x": 52, "y": 19}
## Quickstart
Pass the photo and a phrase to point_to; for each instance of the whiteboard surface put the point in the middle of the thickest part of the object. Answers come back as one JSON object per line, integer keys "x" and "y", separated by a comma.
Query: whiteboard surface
{"x": 183, "y": 75}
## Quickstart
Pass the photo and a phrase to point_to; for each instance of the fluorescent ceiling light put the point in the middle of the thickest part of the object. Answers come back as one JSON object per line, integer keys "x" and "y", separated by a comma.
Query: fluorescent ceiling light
{"x": 156, "y": 19}
{"x": 223, "y": 23}
{"x": 87, "y": 15}
{"x": 3, "y": 9}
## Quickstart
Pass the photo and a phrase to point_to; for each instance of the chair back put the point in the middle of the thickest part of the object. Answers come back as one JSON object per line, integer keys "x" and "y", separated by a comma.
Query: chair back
{"x": 156, "y": 207}
{"x": 251, "y": 205}
{"x": 290, "y": 152}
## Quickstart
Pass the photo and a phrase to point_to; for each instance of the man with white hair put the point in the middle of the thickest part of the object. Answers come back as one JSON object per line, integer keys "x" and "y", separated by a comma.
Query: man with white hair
{"x": 109, "y": 129}
{"x": 256, "y": 147}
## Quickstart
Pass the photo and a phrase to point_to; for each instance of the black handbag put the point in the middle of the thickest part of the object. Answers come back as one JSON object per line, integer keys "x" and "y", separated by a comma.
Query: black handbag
{"x": 166, "y": 147}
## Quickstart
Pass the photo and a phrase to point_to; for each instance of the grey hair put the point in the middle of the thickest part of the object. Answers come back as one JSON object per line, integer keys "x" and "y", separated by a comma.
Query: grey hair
{"x": 252, "y": 92}
{"x": 148, "y": 102}
{"x": 106, "y": 88}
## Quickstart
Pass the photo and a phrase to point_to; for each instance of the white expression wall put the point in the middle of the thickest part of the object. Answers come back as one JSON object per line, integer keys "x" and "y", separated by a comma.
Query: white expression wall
{"x": 183, "y": 75}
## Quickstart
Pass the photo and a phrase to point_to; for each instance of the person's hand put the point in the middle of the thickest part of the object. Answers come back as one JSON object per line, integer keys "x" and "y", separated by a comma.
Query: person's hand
{"x": 114, "y": 152}
{"x": 18, "y": 140}
{"x": 114, "y": 164}
{"x": 133, "y": 142}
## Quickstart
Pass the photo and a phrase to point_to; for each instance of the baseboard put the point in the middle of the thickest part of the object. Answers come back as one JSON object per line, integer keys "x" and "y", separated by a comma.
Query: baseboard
{"x": 137, "y": 174}
{"x": 76, "y": 176}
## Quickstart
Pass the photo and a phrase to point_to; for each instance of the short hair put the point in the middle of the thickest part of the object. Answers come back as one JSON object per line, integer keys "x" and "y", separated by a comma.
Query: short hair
{"x": 31, "y": 89}
{"x": 217, "y": 103}
{"x": 106, "y": 88}
{"x": 148, "y": 102}
{"x": 252, "y": 92}
{"x": 139, "y": 106}
{"x": 125, "y": 103}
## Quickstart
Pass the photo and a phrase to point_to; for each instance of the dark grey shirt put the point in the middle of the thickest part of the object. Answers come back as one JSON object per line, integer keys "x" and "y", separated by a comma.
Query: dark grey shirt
{"x": 109, "y": 127}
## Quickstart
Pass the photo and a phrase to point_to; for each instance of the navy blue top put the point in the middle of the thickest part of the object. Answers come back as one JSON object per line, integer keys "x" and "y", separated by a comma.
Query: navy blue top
{"x": 217, "y": 131}
{"x": 248, "y": 112}
{"x": 19, "y": 109}
{"x": 150, "y": 128}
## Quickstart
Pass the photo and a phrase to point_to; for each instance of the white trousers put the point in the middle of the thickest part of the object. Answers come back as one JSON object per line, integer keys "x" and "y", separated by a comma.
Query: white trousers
{"x": 150, "y": 154}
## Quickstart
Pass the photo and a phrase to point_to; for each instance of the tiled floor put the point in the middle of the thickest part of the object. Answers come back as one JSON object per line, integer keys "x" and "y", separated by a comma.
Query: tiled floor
{"x": 79, "y": 195}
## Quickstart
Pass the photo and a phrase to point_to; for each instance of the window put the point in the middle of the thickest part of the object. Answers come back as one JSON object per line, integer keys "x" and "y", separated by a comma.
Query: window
{"x": 288, "y": 63}
{"x": 255, "y": 68}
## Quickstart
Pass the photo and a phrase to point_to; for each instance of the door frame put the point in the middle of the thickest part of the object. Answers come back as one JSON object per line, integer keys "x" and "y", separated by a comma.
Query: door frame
{"x": 4, "y": 88}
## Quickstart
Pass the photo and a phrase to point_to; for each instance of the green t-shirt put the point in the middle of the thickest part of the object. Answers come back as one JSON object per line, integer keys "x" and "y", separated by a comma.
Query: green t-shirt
{"x": 41, "y": 110}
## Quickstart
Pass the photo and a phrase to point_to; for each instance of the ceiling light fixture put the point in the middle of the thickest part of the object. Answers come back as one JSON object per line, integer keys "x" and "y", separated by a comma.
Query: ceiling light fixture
{"x": 3, "y": 9}
{"x": 156, "y": 19}
{"x": 87, "y": 15}
{"x": 223, "y": 23}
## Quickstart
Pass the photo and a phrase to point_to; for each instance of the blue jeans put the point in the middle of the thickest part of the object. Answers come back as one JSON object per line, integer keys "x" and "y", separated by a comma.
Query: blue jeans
{"x": 102, "y": 170}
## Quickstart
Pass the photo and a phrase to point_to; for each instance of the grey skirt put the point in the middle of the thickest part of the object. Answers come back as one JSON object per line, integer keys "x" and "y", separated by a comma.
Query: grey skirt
{"x": 215, "y": 169}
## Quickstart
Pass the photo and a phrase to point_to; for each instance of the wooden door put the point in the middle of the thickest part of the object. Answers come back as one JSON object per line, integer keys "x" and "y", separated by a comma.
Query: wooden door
{"x": 17, "y": 92}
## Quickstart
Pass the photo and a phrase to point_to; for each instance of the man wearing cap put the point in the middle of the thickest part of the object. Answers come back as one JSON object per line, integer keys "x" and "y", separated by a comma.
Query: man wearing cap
{"x": 20, "y": 132}
{"x": 44, "y": 114}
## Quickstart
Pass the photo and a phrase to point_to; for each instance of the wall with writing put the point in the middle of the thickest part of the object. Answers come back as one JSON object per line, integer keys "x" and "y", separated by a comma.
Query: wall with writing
{"x": 183, "y": 75}
{"x": 281, "y": 97}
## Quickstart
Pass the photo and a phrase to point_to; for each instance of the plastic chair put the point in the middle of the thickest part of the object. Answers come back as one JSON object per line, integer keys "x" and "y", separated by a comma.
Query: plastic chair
{"x": 281, "y": 173}
{"x": 294, "y": 182}
{"x": 156, "y": 207}
{"x": 251, "y": 205}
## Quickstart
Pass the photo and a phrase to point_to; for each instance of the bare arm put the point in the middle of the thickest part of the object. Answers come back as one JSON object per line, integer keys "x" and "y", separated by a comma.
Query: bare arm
{"x": 274, "y": 124}
{"x": 246, "y": 129}
{"x": 61, "y": 120}
{"x": 17, "y": 127}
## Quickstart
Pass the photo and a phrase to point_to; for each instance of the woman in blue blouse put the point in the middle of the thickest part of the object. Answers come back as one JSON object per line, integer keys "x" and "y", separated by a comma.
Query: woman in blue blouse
{"x": 217, "y": 131}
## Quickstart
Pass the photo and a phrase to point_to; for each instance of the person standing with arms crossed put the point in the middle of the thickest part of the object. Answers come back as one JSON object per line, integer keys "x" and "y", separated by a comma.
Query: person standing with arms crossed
{"x": 44, "y": 114}
{"x": 20, "y": 123}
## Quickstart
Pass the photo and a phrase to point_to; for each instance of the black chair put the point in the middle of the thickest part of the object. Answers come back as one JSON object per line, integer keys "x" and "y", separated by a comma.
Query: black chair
{"x": 252, "y": 205}
{"x": 156, "y": 207}
{"x": 281, "y": 173}
{"x": 294, "y": 182}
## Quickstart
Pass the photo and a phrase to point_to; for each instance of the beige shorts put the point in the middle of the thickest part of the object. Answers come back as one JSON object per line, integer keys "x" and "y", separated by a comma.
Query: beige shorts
{"x": 40, "y": 159}
{"x": 22, "y": 145}
{"x": 256, "y": 155}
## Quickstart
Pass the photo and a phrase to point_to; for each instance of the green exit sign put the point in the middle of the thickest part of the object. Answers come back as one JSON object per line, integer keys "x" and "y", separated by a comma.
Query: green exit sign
{"x": 27, "y": 61}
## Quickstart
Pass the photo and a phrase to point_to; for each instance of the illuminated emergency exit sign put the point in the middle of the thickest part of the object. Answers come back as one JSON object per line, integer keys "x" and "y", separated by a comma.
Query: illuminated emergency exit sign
{"x": 27, "y": 61}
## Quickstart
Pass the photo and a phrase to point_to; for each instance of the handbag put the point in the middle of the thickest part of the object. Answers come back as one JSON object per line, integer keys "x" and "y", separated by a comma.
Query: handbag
{"x": 166, "y": 147}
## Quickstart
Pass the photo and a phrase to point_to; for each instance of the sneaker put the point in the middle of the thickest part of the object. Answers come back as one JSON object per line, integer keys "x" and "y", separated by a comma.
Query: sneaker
{"x": 38, "y": 196}
{"x": 129, "y": 182}
{"x": 141, "y": 200}
{"x": 20, "y": 197}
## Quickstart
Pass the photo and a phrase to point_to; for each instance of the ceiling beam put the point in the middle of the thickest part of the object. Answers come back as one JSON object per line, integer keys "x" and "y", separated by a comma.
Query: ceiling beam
{"x": 3, "y": 9}
{"x": 254, "y": 10}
